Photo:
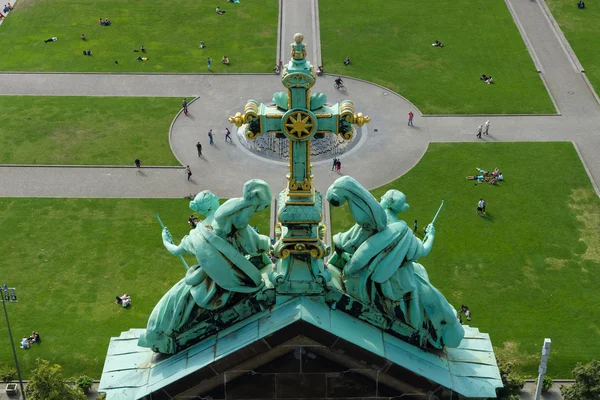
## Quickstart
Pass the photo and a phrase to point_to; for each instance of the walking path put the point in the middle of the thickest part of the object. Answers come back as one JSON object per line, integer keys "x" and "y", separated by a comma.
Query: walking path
{"x": 224, "y": 167}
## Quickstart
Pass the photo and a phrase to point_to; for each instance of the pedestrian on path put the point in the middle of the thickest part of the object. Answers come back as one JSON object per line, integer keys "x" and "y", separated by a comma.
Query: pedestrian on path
{"x": 208, "y": 61}
{"x": 228, "y": 135}
{"x": 184, "y": 104}
{"x": 138, "y": 163}
{"x": 487, "y": 126}
{"x": 188, "y": 171}
{"x": 338, "y": 167}
{"x": 199, "y": 148}
{"x": 334, "y": 164}
{"x": 479, "y": 130}
{"x": 410, "y": 118}
{"x": 210, "y": 137}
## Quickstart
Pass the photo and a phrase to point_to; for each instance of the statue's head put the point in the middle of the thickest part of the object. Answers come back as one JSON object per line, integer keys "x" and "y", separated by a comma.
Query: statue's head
{"x": 395, "y": 201}
{"x": 258, "y": 192}
{"x": 298, "y": 38}
{"x": 205, "y": 202}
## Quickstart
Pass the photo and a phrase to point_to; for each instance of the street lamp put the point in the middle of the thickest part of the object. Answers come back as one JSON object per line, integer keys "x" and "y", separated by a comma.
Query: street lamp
{"x": 542, "y": 369}
{"x": 9, "y": 295}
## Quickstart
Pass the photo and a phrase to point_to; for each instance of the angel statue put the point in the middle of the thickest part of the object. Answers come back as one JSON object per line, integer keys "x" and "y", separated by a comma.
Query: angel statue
{"x": 378, "y": 257}
{"x": 230, "y": 255}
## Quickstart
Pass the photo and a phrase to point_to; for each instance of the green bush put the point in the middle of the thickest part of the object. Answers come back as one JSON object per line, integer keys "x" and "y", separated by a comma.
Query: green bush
{"x": 587, "y": 382}
{"x": 8, "y": 375}
{"x": 546, "y": 384}
{"x": 84, "y": 383}
{"x": 512, "y": 381}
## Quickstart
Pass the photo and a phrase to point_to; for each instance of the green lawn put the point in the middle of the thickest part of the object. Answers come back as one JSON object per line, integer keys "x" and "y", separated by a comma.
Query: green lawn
{"x": 389, "y": 42}
{"x": 171, "y": 32}
{"x": 528, "y": 270}
{"x": 86, "y": 130}
{"x": 69, "y": 258}
{"x": 582, "y": 29}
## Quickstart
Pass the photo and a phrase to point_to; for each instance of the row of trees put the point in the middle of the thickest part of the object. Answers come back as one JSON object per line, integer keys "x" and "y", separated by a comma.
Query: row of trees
{"x": 585, "y": 387}
{"x": 48, "y": 383}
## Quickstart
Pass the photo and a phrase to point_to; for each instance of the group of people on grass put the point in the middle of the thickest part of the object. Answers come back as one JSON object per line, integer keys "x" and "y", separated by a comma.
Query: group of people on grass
{"x": 124, "y": 300}
{"x": 26, "y": 342}
{"x": 464, "y": 310}
{"x": 487, "y": 79}
{"x": 485, "y": 176}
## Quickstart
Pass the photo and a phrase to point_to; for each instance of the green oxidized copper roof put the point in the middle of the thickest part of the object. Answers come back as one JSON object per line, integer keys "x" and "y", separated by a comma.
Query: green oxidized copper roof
{"x": 470, "y": 369}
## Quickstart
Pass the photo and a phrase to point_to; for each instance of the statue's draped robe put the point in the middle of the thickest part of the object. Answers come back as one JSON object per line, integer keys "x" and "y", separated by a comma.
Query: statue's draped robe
{"x": 221, "y": 270}
{"x": 385, "y": 264}
{"x": 377, "y": 257}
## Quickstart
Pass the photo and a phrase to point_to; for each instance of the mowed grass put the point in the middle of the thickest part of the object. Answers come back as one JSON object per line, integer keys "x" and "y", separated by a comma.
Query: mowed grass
{"x": 69, "y": 258}
{"x": 582, "y": 29}
{"x": 389, "y": 43}
{"x": 529, "y": 269}
{"x": 171, "y": 33}
{"x": 86, "y": 130}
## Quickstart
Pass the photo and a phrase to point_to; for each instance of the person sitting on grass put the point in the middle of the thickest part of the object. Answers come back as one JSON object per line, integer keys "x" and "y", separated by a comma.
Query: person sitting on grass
{"x": 437, "y": 43}
{"x": 202, "y": 45}
{"x": 347, "y": 60}
{"x": 124, "y": 300}
{"x": 52, "y": 39}
{"x": 34, "y": 338}
{"x": 101, "y": 21}
{"x": 89, "y": 52}
{"x": 106, "y": 22}
{"x": 493, "y": 181}
{"x": 140, "y": 58}
{"x": 479, "y": 178}
{"x": 495, "y": 173}
{"x": 225, "y": 60}
{"x": 489, "y": 80}
{"x": 581, "y": 5}
{"x": 483, "y": 77}
{"x": 83, "y": 37}
{"x": 219, "y": 11}
{"x": 24, "y": 343}
{"x": 500, "y": 176}
{"x": 143, "y": 49}
{"x": 482, "y": 172}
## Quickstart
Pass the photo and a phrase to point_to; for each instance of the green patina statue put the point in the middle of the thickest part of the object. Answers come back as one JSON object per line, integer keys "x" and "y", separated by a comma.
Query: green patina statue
{"x": 378, "y": 257}
{"x": 373, "y": 273}
{"x": 230, "y": 255}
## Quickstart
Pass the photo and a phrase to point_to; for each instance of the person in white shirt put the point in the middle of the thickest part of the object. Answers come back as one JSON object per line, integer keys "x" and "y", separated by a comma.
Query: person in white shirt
{"x": 124, "y": 300}
{"x": 487, "y": 126}
{"x": 24, "y": 343}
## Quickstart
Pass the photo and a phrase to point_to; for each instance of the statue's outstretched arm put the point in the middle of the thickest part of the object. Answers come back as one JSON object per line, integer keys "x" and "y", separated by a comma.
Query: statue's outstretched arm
{"x": 168, "y": 242}
{"x": 365, "y": 209}
{"x": 427, "y": 242}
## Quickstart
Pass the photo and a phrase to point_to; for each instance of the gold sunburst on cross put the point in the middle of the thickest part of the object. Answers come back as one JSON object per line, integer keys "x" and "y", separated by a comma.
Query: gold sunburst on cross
{"x": 299, "y": 125}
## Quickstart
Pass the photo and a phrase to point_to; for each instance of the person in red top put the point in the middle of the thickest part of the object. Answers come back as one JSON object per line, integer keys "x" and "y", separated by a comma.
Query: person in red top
{"x": 410, "y": 118}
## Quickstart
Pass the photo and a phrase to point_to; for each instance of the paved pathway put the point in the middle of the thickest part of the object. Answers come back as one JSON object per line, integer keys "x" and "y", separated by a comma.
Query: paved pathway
{"x": 387, "y": 150}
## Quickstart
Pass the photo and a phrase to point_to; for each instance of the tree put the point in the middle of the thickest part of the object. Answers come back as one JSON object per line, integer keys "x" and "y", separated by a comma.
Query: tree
{"x": 587, "y": 382}
{"x": 48, "y": 383}
{"x": 512, "y": 381}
